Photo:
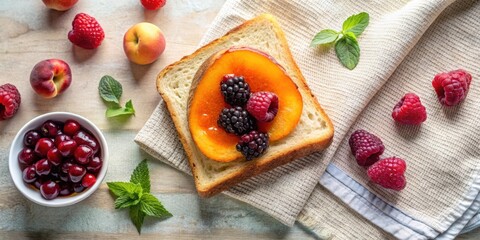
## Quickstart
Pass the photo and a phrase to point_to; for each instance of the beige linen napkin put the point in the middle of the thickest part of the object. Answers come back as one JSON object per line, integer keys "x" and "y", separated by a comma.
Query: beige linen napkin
{"x": 443, "y": 157}
{"x": 395, "y": 28}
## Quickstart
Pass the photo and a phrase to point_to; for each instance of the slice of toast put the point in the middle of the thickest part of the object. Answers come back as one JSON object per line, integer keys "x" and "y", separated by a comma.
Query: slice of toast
{"x": 314, "y": 131}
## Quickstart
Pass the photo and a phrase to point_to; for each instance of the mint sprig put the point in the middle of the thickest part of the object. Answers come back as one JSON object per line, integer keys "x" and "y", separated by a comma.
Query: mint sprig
{"x": 110, "y": 91}
{"x": 346, "y": 44}
{"x": 136, "y": 196}
{"x": 141, "y": 176}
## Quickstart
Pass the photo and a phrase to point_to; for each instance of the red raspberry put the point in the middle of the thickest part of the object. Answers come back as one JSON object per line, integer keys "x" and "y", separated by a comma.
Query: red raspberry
{"x": 9, "y": 101}
{"x": 263, "y": 106}
{"x": 452, "y": 87}
{"x": 410, "y": 110}
{"x": 86, "y": 32}
{"x": 153, "y": 4}
{"x": 366, "y": 147}
{"x": 388, "y": 173}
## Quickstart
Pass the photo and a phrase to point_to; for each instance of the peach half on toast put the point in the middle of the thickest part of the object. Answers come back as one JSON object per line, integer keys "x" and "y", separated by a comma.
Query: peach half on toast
{"x": 205, "y": 103}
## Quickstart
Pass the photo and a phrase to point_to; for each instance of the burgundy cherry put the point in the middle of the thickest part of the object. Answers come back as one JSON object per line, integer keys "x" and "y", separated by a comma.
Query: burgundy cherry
{"x": 63, "y": 176}
{"x": 67, "y": 148}
{"x": 65, "y": 189}
{"x": 84, "y": 138}
{"x": 43, "y": 146}
{"x": 29, "y": 174}
{"x": 42, "y": 167}
{"x": 78, "y": 187}
{"x": 76, "y": 173}
{"x": 49, "y": 190}
{"x": 88, "y": 180}
{"x": 65, "y": 167}
{"x": 71, "y": 127}
{"x": 40, "y": 181}
{"x": 61, "y": 138}
{"x": 82, "y": 154}
{"x": 94, "y": 165}
{"x": 31, "y": 138}
{"x": 50, "y": 129}
{"x": 54, "y": 156}
{"x": 27, "y": 156}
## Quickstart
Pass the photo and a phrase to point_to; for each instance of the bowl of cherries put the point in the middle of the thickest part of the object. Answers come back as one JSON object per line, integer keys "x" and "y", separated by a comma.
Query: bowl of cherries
{"x": 58, "y": 159}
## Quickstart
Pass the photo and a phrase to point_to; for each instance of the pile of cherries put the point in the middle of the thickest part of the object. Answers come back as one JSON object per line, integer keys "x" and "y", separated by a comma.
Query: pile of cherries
{"x": 60, "y": 158}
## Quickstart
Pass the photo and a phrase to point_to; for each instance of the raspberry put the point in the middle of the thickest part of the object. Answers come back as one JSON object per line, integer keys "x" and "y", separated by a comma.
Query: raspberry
{"x": 452, "y": 87}
{"x": 409, "y": 110}
{"x": 86, "y": 32}
{"x": 366, "y": 147}
{"x": 236, "y": 120}
{"x": 263, "y": 106}
{"x": 235, "y": 90}
{"x": 153, "y": 4}
{"x": 388, "y": 173}
{"x": 9, "y": 101}
{"x": 253, "y": 144}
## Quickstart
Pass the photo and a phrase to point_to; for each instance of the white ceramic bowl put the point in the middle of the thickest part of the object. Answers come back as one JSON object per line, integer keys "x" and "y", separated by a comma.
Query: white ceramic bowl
{"x": 33, "y": 194}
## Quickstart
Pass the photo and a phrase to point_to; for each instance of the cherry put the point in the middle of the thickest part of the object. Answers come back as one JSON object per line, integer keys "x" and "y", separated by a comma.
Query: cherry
{"x": 49, "y": 190}
{"x": 42, "y": 146}
{"x": 27, "y": 156}
{"x": 31, "y": 138}
{"x": 65, "y": 189}
{"x": 66, "y": 166}
{"x": 29, "y": 174}
{"x": 49, "y": 129}
{"x": 67, "y": 148}
{"x": 82, "y": 154}
{"x": 94, "y": 165}
{"x": 63, "y": 176}
{"x": 84, "y": 138}
{"x": 61, "y": 138}
{"x": 55, "y": 172}
{"x": 78, "y": 187}
{"x": 54, "y": 156}
{"x": 71, "y": 127}
{"x": 76, "y": 173}
{"x": 88, "y": 180}
{"x": 42, "y": 167}
{"x": 40, "y": 181}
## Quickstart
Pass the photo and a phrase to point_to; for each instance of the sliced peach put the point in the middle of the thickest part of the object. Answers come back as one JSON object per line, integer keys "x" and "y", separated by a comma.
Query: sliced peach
{"x": 206, "y": 102}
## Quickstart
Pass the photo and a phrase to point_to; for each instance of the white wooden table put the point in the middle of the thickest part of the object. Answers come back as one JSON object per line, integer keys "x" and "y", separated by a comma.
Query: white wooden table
{"x": 29, "y": 33}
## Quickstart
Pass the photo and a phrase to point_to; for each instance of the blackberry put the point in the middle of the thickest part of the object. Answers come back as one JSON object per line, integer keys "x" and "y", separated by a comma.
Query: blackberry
{"x": 235, "y": 90}
{"x": 253, "y": 144}
{"x": 236, "y": 120}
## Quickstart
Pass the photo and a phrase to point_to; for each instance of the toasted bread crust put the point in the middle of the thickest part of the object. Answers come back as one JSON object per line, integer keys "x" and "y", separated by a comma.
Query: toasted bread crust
{"x": 262, "y": 164}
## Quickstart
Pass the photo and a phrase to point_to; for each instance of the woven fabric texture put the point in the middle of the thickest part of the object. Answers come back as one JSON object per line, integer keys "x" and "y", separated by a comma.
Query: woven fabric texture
{"x": 442, "y": 155}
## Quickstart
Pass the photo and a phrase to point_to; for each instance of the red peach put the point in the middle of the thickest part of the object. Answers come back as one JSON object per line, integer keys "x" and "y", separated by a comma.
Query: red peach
{"x": 60, "y": 5}
{"x": 50, "y": 77}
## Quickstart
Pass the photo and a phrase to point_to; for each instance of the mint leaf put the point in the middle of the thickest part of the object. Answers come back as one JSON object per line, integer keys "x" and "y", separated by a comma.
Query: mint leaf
{"x": 122, "y": 188}
{"x": 141, "y": 176}
{"x": 348, "y": 51}
{"x": 137, "y": 217}
{"x": 125, "y": 201}
{"x": 135, "y": 195}
{"x": 324, "y": 37}
{"x": 129, "y": 107}
{"x": 115, "y": 112}
{"x": 110, "y": 89}
{"x": 152, "y": 207}
{"x": 356, "y": 24}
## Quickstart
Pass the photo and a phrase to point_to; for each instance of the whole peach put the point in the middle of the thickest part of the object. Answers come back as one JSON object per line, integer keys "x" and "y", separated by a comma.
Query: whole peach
{"x": 143, "y": 43}
{"x": 50, "y": 77}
